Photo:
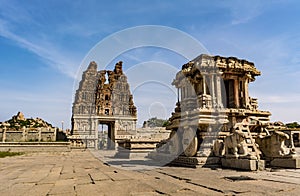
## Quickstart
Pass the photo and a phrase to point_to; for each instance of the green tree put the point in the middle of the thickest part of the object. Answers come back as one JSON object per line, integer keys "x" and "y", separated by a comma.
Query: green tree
{"x": 293, "y": 125}
{"x": 156, "y": 122}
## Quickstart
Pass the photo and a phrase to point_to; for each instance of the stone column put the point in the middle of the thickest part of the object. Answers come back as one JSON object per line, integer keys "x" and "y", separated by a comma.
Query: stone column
{"x": 212, "y": 89}
{"x": 96, "y": 134}
{"x": 218, "y": 91}
{"x": 40, "y": 133}
{"x": 182, "y": 93}
{"x": 246, "y": 93}
{"x": 188, "y": 90}
{"x": 204, "y": 84}
{"x": 23, "y": 134}
{"x": 178, "y": 95}
{"x": 236, "y": 93}
{"x": 204, "y": 96}
{"x": 4, "y": 134}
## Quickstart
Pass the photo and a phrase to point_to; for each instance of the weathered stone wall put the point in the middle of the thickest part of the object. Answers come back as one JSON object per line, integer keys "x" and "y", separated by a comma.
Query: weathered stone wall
{"x": 48, "y": 136}
{"x": 153, "y": 133}
{"x": 32, "y": 136}
{"x": 28, "y": 135}
{"x": 13, "y": 136}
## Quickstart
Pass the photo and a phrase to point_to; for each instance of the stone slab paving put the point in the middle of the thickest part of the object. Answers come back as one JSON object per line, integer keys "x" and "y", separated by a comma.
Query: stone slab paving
{"x": 81, "y": 173}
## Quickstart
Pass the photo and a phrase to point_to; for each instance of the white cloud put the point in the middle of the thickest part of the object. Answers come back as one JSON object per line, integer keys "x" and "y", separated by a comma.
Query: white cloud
{"x": 43, "y": 49}
{"x": 244, "y": 11}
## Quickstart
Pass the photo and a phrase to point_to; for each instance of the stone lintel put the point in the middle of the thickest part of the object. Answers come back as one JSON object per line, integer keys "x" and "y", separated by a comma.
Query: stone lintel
{"x": 293, "y": 163}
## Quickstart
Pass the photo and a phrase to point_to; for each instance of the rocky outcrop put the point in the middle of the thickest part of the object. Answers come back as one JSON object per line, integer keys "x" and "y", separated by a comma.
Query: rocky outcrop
{"x": 17, "y": 122}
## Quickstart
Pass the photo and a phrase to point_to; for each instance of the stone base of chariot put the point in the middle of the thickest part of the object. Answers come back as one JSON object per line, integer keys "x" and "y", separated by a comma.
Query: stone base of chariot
{"x": 131, "y": 153}
{"x": 284, "y": 162}
{"x": 211, "y": 162}
{"x": 161, "y": 158}
{"x": 243, "y": 164}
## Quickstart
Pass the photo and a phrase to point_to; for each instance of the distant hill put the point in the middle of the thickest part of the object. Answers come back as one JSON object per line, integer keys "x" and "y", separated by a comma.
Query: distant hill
{"x": 19, "y": 121}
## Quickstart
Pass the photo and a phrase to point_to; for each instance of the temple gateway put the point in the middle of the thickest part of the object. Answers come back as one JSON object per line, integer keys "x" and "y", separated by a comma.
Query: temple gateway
{"x": 103, "y": 98}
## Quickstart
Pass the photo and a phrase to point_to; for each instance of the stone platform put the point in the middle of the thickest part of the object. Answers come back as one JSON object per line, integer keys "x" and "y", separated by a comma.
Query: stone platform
{"x": 243, "y": 164}
{"x": 80, "y": 173}
{"x": 35, "y": 146}
{"x": 183, "y": 161}
{"x": 130, "y": 148}
{"x": 196, "y": 161}
{"x": 286, "y": 163}
{"x": 128, "y": 154}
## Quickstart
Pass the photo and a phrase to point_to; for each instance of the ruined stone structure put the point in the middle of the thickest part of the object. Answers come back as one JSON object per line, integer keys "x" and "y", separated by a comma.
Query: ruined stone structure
{"x": 20, "y": 129}
{"x": 215, "y": 116}
{"x": 213, "y": 96}
{"x": 103, "y": 97}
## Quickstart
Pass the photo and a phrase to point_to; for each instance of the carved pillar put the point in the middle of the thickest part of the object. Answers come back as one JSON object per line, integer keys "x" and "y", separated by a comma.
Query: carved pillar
{"x": 204, "y": 84}
{"x": 96, "y": 134}
{"x": 218, "y": 91}
{"x": 4, "y": 134}
{"x": 23, "y": 134}
{"x": 246, "y": 93}
{"x": 236, "y": 93}
{"x": 212, "y": 89}
{"x": 182, "y": 93}
{"x": 40, "y": 134}
{"x": 188, "y": 90}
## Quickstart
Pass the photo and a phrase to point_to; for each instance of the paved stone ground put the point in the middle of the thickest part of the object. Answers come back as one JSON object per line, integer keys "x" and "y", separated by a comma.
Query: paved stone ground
{"x": 80, "y": 173}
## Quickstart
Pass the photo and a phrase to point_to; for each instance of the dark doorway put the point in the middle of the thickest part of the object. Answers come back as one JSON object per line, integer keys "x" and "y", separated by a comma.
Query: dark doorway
{"x": 228, "y": 100}
{"x": 106, "y": 135}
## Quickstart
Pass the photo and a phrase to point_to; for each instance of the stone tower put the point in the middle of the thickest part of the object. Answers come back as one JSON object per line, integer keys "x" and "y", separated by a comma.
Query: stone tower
{"x": 103, "y": 97}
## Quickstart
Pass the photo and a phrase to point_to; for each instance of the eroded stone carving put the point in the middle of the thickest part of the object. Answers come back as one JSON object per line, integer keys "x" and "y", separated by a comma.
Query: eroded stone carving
{"x": 235, "y": 144}
{"x": 103, "y": 97}
{"x": 273, "y": 145}
{"x": 213, "y": 97}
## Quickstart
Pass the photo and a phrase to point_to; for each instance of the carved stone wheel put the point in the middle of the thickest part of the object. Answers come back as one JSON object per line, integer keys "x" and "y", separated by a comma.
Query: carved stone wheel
{"x": 190, "y": 142}
{"x": 174, "y": 143}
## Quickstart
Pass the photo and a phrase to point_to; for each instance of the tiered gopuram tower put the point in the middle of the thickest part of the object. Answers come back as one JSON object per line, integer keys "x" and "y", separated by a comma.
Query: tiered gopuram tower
{"x": 103, "y": 97}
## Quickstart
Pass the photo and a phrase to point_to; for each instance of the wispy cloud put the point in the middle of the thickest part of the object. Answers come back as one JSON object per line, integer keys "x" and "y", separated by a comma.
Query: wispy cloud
{"x": 45, "y": 50}
{"x": 278, "y": 98}
{"x": 244, "y": 11}
{"x": 19, "y": 25}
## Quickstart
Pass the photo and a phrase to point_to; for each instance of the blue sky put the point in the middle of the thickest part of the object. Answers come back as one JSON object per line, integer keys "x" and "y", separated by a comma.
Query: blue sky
{"x": 42, "y": 45}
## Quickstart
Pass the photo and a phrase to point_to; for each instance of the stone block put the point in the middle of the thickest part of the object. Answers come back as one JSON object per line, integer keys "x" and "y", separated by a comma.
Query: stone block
{"x": 261, "y": 165}
{"x": 242, "y": 164}
{"x": 286, "y": 163}
{"x": 128, "y": 154}
{"x": 196, "y": 161}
